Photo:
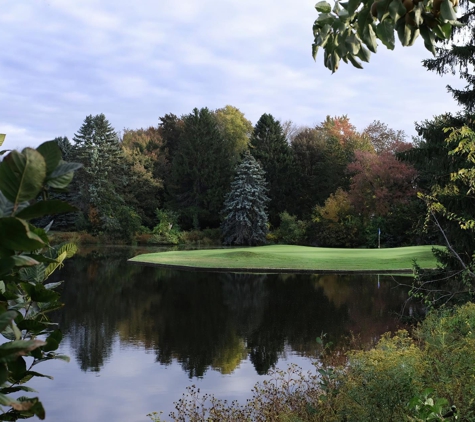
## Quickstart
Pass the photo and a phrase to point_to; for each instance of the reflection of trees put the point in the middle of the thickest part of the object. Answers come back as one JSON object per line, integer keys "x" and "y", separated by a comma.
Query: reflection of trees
{"x": 204, "y": 320}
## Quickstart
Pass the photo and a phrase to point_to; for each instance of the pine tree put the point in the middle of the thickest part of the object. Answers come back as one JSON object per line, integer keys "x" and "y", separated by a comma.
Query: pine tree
{"x": 103, "y": 176}
{"x": 460, "y": 55}
{"x": 245, "y": 217}
{"x": 270, "y": 148}
{"x": 201, "y": 171}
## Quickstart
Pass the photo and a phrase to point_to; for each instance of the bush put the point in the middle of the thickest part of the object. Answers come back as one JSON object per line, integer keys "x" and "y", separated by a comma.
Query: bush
{"x": 291, "y": 231}
{"x": 402, "y": 379}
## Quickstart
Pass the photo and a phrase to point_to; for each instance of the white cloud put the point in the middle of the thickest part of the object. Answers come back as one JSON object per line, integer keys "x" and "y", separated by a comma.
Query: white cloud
{"x": 61, "y": 62}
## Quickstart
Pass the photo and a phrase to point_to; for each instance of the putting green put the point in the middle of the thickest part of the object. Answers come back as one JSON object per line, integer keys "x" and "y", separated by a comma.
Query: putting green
{"x": 289, "y": 258}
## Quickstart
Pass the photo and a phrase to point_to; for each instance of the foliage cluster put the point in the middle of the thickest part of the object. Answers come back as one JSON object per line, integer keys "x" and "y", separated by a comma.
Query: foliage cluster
{"x": 186, "y": 166}
{"x": 27, "y": 260}
{"x": 387, "y": 383}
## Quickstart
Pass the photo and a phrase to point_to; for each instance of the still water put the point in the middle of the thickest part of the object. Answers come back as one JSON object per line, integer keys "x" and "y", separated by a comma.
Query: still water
{"x": 138, "y": 336}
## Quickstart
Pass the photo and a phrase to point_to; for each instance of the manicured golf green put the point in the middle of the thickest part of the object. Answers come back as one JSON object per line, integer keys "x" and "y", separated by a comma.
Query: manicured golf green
{"x": 286, "y": 258}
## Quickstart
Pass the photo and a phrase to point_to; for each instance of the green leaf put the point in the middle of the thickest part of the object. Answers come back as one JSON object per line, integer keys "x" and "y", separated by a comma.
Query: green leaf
{"x": 429, "y": 38}
{"x": 24, "y": 261}
{"x": 353, "y": 44}
{"x": 17, "y": 368}
{"x": 6, "y": 266}
{"x": 323, "y": 7}
{"x": 32, "y": 325}
{"x": 52, "y": 342}
{"x": 69, "y": 248}
{"x": 369, "y": 38}
{"x": 65, "y": 168}
{"x": 364, "y": 54}
{"x": 9, "y": 390}
{"x": 22, "y": 175}
{"x": 6, "y": 319}
{"x": 385, "y": 32}
{"x": 17, "y": 236}
{"x": 34, "y": 274}
{"x": 2, "y": 138}
{"x": 396, "y": 10}
{"x": 9, "y": 351}
{"x": 3, "y": 373}
{"x": 447, "y": 11}
{"x": 42, "y": 208}
{"x": 352, "y": 6}
{"x": 60, "y": 182}
{"x": 51, "y": 154}
{"x": 314, "y": 51}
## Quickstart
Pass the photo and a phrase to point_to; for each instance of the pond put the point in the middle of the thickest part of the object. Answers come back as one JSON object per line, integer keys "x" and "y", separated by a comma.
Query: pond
{"x": 138, "y": 336}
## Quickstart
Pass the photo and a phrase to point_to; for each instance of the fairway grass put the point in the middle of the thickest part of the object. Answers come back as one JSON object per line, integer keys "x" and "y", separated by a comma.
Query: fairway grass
{"x": 290, "y": 258}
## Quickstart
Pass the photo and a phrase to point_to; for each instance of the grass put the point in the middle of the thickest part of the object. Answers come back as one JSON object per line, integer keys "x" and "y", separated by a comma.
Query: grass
{"x": 282, "y": 258}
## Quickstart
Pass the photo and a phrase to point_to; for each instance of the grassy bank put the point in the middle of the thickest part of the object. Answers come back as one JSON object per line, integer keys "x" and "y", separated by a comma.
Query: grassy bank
{"x": 294, "y": 258}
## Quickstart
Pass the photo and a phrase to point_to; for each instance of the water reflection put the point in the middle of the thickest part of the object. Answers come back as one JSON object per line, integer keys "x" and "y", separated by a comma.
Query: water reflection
{"x": 210, "y": 320}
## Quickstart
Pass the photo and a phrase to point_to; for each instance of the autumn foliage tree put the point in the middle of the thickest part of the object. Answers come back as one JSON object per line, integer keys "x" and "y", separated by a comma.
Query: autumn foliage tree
{"x": 379, "y": 183}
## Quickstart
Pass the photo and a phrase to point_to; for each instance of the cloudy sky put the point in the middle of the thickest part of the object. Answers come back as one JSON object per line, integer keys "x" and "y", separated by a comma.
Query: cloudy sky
{"x": 62, "y": 60}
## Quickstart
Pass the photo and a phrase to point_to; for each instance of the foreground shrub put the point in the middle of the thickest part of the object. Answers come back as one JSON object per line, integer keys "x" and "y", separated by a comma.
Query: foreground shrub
{"x": 404, "y": 378}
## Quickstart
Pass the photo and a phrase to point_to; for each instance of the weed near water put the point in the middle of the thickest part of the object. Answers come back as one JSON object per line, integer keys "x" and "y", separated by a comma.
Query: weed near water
{"x": 403, "y": 378}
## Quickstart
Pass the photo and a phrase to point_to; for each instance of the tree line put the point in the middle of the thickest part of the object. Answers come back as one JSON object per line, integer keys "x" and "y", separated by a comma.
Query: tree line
{"x": 328, "y": 185}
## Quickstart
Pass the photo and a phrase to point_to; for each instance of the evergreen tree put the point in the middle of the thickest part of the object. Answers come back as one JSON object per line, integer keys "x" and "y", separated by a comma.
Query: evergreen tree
{"x": 459, "y": 55}
{"x": 270, "y": 148}
{"x": 201, "y": 171}
{"x": 103, "y": 177}
{"x": 245, "y": 217}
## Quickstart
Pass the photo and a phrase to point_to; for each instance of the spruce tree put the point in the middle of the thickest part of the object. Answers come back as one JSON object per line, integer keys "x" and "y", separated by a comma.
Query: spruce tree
{"x": 269, "y": 146}
{"x": 103, "y": 176}
{"x": 459, "y": 54}
{"x": 245, "y": 216}
{"x": 201, "y": 171}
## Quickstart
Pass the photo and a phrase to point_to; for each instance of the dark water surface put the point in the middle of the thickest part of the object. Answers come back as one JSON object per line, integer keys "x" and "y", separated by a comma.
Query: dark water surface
{"x": 137, "y": 336}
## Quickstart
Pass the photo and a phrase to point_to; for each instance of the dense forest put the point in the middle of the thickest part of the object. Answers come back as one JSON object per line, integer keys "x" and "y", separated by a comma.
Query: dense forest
{"x": 328, "y": 185}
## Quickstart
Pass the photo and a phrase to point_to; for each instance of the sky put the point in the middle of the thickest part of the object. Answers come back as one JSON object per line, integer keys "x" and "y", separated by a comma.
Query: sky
{"x": 136, "y": 61}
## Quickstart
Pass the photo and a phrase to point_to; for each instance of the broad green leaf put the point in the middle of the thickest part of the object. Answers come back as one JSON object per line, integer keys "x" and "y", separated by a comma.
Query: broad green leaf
{"x": 60, "y": 182}
{"x": 52, "y": 267}
{"x": 10, "y": 350}
{"x": 369, "y": 38}
{"x": 352, "y": 6}
{"x": 34, "y": 274}
{"x": 6, "y": 319}
{"x": 385, "y": 31}
{"x": 69, "y": 248}
{"x": 325, "y": 19}
{"x": 429, "y": 38}
{"x": 9, "y": 390}
{"x": 17, "y": 368}
{"x": 52, "y": 155}
{"x": 30, "y": 374}
{"x": 17, "y": 236}
{"x": 2, "y": 138}
{"x": 32, "y": 325}
{"x": 353, "y": 44}
{"x": 314, "y": 51}
{"x": 24, "y": 261}
{"x": 447, "y": 11}
{"x": 65, "y": 168}
{"x": 396, "y": 10}
{"x": 6, "y": 265}
{"x": 22, "y": 175}
{"x": 53, "y": 340}
{"x": 42, "y": 208}
{"x": 323, "y": 7}
{"x": 364, "y": 54}
{"x": 40, "y": 233}
{"x": 354, "y": 62}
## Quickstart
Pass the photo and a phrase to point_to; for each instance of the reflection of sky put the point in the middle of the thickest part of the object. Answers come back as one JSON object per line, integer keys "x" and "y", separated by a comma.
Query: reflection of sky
{"x": 132, "y": 384}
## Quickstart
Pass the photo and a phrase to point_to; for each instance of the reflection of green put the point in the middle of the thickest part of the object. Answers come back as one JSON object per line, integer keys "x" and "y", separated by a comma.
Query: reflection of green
{"x": 211, "y": 320}
{"x": 295, "y": 258}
